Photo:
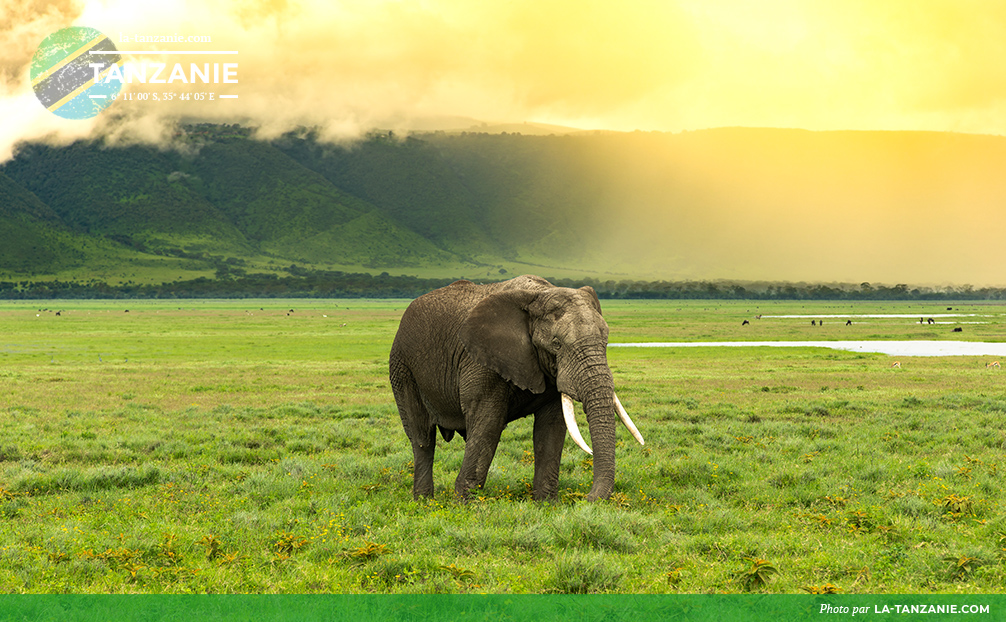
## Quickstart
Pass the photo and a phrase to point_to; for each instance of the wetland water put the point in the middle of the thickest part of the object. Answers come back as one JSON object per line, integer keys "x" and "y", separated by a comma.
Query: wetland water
{"x": 891, "y": 348}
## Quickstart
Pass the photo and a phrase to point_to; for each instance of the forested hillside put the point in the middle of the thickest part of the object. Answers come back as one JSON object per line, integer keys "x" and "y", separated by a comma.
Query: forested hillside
{"x": 734, "y": 204}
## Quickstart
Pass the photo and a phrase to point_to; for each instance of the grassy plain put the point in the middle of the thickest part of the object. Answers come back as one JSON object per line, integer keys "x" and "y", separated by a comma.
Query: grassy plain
{"x": 254, "y": 446}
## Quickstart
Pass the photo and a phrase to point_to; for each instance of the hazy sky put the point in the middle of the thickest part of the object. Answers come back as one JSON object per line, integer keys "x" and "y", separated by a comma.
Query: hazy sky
{"x": 664, "y": 65}
{"x": 650, "y": 65}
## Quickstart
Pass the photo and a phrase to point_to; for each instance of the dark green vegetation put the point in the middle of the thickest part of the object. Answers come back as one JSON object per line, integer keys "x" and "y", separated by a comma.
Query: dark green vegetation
{"x": 254, "y": 446}
{"x": 219, "y": 205}
{"x": 302, "y": 282}
{"x": 228, "y": 206}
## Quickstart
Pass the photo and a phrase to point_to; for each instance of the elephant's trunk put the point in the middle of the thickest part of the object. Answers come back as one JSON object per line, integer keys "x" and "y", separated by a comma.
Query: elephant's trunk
{"x": 589, "y": 381}
{"x": 599, "y": 405}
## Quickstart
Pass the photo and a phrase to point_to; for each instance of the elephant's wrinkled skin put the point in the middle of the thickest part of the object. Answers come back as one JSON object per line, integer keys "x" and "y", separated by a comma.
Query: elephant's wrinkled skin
{"x": 472, "y": 358}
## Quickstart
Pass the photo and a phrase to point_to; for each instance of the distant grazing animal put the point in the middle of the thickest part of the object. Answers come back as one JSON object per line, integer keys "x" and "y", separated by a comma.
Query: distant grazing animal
{"x": 958, "y": 330}
{"x": 992, "y": 364}
{"x": 813, "y": 323}
{"x": 848, "y": 322}
{"x": 758, "y": 317}
{"x": 896, "y": 364}
{"x": 922, "y": 320}
{"x": 950, "y": 308}
{"x": 931, "y": 321}
{"x": 745, "y": 323}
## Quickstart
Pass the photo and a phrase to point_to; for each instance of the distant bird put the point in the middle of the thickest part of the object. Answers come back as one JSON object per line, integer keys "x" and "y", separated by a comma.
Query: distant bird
{"x": 99, "y": 359}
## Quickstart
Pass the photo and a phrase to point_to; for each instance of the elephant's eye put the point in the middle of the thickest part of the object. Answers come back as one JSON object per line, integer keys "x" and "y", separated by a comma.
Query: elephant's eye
{"x": 556, "y": 343}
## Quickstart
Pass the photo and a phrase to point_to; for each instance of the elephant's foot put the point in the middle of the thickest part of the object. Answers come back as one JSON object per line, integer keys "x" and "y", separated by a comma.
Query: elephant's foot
{"x": 466, "y": 490}
{"x": 422, "y": 489}
{"x": 599, "y": 492}
{"x": 548, "y": 497}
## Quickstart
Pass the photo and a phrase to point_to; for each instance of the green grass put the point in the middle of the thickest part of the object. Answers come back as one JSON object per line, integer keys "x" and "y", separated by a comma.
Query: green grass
{"x": 239, "y": 446}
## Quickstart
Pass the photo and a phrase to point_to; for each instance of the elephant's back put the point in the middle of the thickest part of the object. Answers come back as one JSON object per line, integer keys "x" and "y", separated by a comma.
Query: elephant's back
{"x": 440, "y": 310}
{"x": 428, "y": 352}
{"x": 428, "y": 333}
{"x": 436, "y": 317}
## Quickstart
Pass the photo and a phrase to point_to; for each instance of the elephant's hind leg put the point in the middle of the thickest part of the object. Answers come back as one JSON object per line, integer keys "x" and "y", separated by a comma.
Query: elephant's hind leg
{"x": 422, "y": 454}
{"x": 418, "y": 427}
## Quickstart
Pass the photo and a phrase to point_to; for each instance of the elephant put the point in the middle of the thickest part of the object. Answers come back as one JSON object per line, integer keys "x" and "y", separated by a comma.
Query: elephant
{"x": 469, "y": 359}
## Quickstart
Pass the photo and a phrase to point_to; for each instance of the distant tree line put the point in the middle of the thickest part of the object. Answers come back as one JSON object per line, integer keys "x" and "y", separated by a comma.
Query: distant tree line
{"x": 725, "y": 290}
{"x": 306, "y": 283}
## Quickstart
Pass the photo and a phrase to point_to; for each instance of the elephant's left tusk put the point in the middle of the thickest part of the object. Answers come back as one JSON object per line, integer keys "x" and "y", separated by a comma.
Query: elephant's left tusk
{"x": 574, "y": 431}
{"x": 624, "y": 416}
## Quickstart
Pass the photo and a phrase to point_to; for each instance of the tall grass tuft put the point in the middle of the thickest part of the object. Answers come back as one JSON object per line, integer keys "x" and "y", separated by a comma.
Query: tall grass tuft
{"x": 103, "y": 478}
{"x": 592, "y": 527}
{"x": 585, "y": 573}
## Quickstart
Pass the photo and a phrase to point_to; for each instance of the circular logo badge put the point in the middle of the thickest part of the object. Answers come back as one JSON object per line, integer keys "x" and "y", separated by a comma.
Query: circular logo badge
{"x": 69, "y": 72}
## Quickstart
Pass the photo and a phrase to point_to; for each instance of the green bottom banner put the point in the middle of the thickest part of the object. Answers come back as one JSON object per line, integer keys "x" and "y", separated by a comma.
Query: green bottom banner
{"x": 499, "y": 608}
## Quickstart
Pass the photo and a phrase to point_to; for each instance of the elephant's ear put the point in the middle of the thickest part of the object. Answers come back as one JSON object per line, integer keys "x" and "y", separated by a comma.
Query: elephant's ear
{"x": 592, "y": 296}
{"x": 497, "y": 334}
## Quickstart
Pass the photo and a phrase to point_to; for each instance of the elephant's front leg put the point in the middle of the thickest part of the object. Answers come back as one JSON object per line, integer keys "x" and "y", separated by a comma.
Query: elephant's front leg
{"x": 549, "y": 436}
{"x": 485, "y": 418}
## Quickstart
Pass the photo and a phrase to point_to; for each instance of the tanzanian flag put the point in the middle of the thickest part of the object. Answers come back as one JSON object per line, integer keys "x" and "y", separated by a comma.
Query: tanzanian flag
{"x": 62, "y": 75}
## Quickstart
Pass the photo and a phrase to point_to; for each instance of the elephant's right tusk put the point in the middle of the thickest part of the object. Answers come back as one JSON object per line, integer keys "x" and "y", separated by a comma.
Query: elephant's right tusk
{"x": 574, "y": 431}
{"x": 624, "y": 416}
